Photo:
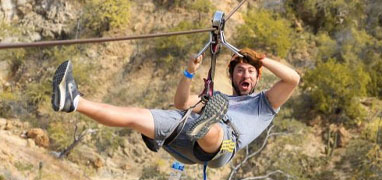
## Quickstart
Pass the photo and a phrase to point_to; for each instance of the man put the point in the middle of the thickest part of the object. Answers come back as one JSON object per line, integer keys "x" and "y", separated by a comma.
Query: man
{"x": 201, "y": 139}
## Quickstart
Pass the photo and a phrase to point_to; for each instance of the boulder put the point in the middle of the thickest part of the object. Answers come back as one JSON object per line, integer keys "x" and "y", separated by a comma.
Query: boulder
{"x": 40, "y": 137}
{"x": 8, "y": 8}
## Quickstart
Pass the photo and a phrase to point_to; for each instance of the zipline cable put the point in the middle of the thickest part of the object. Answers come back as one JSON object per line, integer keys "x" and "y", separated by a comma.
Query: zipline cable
{"x": 98, "y": 40}
{"x": 234, "y": 10}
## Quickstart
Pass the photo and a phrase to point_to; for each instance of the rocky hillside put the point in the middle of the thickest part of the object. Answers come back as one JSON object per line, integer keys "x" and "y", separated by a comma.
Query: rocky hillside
{"x": 330, "y": 129}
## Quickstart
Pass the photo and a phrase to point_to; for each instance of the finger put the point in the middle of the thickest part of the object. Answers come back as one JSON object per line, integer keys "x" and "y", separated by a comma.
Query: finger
{"x": 196, "y": 59}
{"x": 200, "y": 58}
{"x": 203, "y": 53}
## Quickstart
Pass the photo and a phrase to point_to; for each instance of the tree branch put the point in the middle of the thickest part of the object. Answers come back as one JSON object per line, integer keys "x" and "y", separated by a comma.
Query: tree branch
{"x": 76, "y": 141}
{"x": 269, "y": 174}
{"x": 248, "y": 156}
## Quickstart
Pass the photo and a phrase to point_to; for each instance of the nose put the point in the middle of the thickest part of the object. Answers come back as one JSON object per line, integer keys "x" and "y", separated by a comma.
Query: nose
{"x": 246, "y": 74}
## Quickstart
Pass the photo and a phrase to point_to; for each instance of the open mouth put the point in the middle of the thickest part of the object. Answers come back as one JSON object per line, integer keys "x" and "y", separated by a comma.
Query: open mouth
{"x": 244, "y": 85}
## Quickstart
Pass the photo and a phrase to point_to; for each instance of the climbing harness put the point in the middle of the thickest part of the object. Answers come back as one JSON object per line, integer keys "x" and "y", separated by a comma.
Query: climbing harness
{"x": 216, "y": 39}
{"x": 216, "y": 103}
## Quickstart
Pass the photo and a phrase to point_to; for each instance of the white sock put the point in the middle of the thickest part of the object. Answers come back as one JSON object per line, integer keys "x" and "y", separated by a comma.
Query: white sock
{"x": 75, "y": 102}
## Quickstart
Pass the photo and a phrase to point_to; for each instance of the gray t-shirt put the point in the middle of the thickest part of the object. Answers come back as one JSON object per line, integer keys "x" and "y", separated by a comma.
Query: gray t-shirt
{"x": 250, "y": 115}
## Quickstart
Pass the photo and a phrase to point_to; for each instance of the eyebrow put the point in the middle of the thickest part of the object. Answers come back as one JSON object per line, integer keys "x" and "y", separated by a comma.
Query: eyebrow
{"x": 250, "y": 68}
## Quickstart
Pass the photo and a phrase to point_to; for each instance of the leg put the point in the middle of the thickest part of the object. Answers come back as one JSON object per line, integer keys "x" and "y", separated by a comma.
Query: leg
{"x": 138, "y": 119}
{"x": 212, "y": 141}
{"x": 66, "y": 98}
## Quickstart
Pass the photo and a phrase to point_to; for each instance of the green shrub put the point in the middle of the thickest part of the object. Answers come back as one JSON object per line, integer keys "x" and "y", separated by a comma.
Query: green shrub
{"x": 23, "y": 166}
{"x": 364, "y": 159}
{"x": 38, "y": 92}
{"x": 81, "y": 68}
{"x": 334, "y": 89}
{"x": 152, "y": 172}
{"x": 265, "y": 30}
{"x": 173, "y": 3}
{"x": 175, "y": 49}
{"x": 326, "y": 46}
{"x": 374, "y": 19}
{"x": 106, "y": 138}
{"x": 53, "y": 56}
{"x": 60, "y": 134}
{"x": 8, "y": 96}
{"x": 328, "y": 15}
{"x": 12, "y": 104}
{"x": 104, "y": 15}
{"x": 376, "y": 80}
{"x": 354, "y": 45}
{"x": 5, "y": 109}
{"x": 373, "y": 130}
{"x": 8, "y": 30}
{"x": 15, "y": 58}
{"x": 203, "y": 8}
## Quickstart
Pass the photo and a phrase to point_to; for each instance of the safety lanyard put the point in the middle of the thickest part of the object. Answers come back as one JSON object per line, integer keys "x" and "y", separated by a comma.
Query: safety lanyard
{"x": 216, "y": 39}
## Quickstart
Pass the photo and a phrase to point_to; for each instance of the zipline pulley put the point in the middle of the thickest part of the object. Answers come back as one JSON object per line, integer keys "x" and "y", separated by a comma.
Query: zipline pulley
{"x": 216, "y": 40}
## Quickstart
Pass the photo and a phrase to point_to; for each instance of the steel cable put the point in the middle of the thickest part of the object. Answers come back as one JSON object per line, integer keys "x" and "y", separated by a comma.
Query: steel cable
{"x": 234, "y": 10}
{"x": 98, "y": 40}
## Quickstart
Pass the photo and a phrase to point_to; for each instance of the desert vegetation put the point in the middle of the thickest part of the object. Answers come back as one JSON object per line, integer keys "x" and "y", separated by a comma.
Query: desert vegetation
{"x": 330, "y": 129}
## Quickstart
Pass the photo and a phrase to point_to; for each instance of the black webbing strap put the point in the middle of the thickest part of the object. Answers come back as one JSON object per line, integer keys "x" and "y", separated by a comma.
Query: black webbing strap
{"x": 180, "y": 126}
{"x": 209, "y": 82}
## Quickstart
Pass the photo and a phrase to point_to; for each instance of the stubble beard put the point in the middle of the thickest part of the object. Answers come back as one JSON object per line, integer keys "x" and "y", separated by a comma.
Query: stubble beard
{"x": 238, "y": 92}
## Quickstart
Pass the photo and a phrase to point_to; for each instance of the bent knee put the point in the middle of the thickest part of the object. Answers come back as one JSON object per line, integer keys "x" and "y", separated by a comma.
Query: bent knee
{"x": 214, "y": 134}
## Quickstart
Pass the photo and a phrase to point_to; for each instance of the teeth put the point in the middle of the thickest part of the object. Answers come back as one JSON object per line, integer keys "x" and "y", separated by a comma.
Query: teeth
{"x": 245, "y": 84}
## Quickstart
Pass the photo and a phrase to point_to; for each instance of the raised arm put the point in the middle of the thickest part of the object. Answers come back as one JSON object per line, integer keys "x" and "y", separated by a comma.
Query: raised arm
{"x": 280, "y": 92}
{"x": 183, "y": 98}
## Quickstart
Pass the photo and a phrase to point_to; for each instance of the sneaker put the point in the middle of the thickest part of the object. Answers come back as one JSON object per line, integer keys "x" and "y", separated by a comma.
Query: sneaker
{"x": 65, "y": 94}
{"x": 212, "y": 113}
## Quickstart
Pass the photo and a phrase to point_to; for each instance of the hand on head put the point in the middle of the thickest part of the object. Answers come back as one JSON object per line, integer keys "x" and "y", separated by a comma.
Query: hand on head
{"x": 253, "y": 57}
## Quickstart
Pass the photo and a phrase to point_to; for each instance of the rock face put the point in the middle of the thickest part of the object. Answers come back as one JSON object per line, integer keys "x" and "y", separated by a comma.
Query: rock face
{"x": 40, "y": 137}
{"x": 7, "y": 10}
{"x": 41, "y": 19}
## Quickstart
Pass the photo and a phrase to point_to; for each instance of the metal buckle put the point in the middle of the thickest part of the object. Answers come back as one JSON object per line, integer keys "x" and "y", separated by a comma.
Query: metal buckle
{"x": 218, "y": 23}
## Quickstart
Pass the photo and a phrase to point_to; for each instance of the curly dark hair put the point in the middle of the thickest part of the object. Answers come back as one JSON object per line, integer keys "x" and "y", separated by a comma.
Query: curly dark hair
{"x": 250, "y": 56}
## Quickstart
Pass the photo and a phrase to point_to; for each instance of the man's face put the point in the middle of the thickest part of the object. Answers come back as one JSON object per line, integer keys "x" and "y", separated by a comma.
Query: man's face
{"x": 244, "y": 79}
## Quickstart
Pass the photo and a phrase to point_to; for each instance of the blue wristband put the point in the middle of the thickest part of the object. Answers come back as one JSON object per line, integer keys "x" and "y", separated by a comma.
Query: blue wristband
{"x": 188, "y": 75}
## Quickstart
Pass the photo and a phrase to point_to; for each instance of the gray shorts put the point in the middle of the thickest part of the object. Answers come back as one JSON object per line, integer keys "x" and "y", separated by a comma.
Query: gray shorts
{"x": 182, "y": 148}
